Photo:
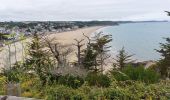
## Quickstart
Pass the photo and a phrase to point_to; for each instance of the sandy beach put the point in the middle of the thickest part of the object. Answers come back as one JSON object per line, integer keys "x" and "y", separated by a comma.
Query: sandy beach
{"x": 63, "y": 37}
{"x": 68, "y": 37}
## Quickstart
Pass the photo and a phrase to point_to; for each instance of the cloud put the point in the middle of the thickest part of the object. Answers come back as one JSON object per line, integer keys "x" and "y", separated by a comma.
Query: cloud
{"x": 148, "y": 16}
{"x": 23, "y": 10}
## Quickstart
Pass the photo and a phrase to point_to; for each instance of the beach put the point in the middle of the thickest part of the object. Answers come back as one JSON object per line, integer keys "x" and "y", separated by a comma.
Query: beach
{"x": 63, "y": 38}
{"x": 68, "y": 37}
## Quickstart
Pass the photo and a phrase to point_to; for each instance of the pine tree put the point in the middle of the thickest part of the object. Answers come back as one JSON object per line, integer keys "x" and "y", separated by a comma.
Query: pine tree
{"x": 38, "y": 60}
{"x": 96, "y": 51}
{"x": 164, "y": 62}
{"x": 89, "y": 61}
{"x": 122, "y": 59}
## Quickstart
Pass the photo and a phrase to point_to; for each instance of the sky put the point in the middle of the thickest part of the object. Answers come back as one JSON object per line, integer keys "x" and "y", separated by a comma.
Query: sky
{"x": 85, "y": 10}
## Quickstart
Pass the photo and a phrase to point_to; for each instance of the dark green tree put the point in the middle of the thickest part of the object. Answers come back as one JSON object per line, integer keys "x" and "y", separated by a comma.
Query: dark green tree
{"x": 89, "y": 61}
{"x": 38, "y": 60}
{"x": 122, "y": 59}
{"x": 96, "y": 51}
{"x": 164, "y": 62}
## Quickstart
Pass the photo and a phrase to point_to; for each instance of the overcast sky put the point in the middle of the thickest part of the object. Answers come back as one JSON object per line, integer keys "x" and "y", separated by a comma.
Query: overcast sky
{"x": 60, "y": 10}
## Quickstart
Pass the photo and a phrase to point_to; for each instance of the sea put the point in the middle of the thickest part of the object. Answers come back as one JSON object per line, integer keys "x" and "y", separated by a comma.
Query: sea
{"x": 138, "y": 39}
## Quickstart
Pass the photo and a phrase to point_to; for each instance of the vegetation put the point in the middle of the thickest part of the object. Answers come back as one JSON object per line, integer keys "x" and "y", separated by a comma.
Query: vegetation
{"x": 98, "y": 79}
{"x": 96, "y": 54}
{"x": 38, "y": 79}
{"x": 39, "y": 60}
{"x": 137, "y": 74}
{"x": 164, "y": 63}
{"x": 122, "y": 59}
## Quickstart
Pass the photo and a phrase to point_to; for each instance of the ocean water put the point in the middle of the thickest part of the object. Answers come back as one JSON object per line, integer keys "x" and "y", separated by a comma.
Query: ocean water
{"x": 139, "y": 39}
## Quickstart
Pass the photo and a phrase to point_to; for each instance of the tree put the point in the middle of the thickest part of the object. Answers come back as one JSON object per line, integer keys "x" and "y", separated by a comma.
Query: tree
{"x": 89, "y": 60}
{"x": 59, "y": 52}
{"x": 38, "y": 60}
{"x": 96, "y": 51}
{"x": 164, "y": 62}
{"x": 122, "y": 59}
{"x": 101, "y": 47}
{"x": 89, "y": 56}
{"x": 79, "y": 45}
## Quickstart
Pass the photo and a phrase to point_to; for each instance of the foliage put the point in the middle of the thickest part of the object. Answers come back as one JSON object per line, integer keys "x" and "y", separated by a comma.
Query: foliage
{"x": 2, "y": 84}
{"x": 31, "y": 87}
{"x": 71, "y": 81}
{"x": 137, "y": 74}
{"x": 96, "y": 52}
{"x": 164, "y": 63}
{"x": 15, "y": 73}
{"x": 98, "y": 79}
{"x": 90, "y": 59}
{"x": 39, "y": 60}
{"x": 119, "y": 76}
{"x": 122, "y": 59}
{"x": 59, "y": 93}
{"x": 127, "y": 90}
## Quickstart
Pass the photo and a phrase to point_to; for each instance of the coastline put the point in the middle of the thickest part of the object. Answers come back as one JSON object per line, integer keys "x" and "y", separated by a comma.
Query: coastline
{"x": 62, "y": 37}
{"x": 69, "y": 36}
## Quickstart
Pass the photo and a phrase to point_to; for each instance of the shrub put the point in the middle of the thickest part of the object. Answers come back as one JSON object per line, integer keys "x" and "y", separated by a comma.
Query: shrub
{"x": 124, "y": 90}
{"x": 96, "y": 94}
{"x": 118, "y": 94}
{"x": 71, "y": 81}
{"x": 137, "y": 74}
{"x": 53, "y": 78}
{"x": 119, "y": 76}
{"x": 15, "y": 73}
{"x": 32, "y": 88}
{"x": 12, "y": 75}
{"x": 61, "y": 92}
{"x": 2, "y": 85}
{"x": 97, "y": 79}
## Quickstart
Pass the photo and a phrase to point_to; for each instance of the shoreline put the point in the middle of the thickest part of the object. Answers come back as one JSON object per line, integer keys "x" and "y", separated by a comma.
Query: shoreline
{"x": 69, "y": 36}
{"x": 62, "y": 37}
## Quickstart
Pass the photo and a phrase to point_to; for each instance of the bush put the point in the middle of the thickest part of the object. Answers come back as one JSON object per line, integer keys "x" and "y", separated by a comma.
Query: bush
{"x": 119, "y": 76}
{"x": 137, "y": 74}
{"x": 15, "y": 73}
{"x": 32, "y": 88}
{"x": 58, "y": 92}
{"x": 12, "y": 75}
{"x": 2, "y": 84}
{"x": 133, "y": 91}
{"x": 97, "y": 79}
{"x": 53, "y": 78}
{"x": 118, "y": 94}
{"x": 71, "y": 81}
